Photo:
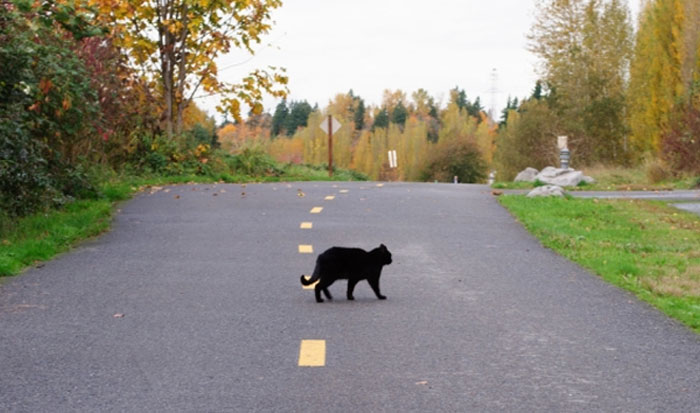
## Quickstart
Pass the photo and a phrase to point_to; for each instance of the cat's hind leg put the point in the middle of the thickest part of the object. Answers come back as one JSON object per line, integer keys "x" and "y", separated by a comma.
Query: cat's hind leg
{"x": 327, "y": 293}
{"x": 322, "y": 286}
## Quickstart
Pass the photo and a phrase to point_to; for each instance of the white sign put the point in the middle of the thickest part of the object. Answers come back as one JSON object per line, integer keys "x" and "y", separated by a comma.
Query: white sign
{"x": 392, "y": 159}
{"x": 562, "y": 142}
{"x": 335, "y": 125}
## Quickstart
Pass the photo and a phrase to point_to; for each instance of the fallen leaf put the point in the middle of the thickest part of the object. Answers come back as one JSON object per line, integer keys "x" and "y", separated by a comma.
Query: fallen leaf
{"x": 300, "y": 193}
{"x": 6, "y": 242}
{"x": 422, "y": 382}
{"x": 496, "y": 192}
{"x": 118, "y": 315}
{"x": 223, "y": 191}
{"x": 177, "y": 196}
{"x": 215, "y": 194}
{"x": 242, "y": 194}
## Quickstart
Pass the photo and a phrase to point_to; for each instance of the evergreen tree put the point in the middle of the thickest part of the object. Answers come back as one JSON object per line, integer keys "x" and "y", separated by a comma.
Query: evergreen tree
{"x": 359, "y": 114}
{"x": 381, "y": 120}
{"x": 298, "y": 116}
{"x": 399, "y": 114}
{"x": 537, "y": 92}
{"x": 279, "y": 119}
{"x": 474, "y": 109}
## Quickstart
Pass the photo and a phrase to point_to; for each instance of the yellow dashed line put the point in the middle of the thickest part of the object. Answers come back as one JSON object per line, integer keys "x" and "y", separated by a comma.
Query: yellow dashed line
{"x": 380, "y": 185}
{"x": 312, "y": 353}
{"x": 329, "y": 198}
{"x": 306, "y": 225}
{"x": 343, "y": 191}
{"x": 306, "y": 249}
{"x": 316, "y": 210}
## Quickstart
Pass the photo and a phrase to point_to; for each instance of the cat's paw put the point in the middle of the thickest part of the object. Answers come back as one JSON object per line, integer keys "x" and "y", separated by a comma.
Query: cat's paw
{"x": 351, "y": 298}
{"x": 382, "y": 297}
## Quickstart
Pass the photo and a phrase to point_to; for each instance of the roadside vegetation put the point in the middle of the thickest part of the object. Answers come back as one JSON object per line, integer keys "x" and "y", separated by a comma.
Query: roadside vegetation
{"x": 649, "y": 248}
{"x": 647, "y": 177}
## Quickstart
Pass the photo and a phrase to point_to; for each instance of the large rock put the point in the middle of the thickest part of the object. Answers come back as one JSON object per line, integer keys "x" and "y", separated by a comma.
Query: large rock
{"x": 526, "y": 175}
{"x": 547, "y": 190}
{"x": 560, "y": 177}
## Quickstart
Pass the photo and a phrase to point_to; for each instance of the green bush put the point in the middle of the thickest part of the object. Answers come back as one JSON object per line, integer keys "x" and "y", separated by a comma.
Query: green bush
{"x": 460, "y": 159}
{"x": 254, "y": 161}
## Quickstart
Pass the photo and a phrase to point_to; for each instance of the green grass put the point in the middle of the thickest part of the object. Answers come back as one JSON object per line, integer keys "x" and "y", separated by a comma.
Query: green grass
{"x": 29, "y": 240}
{"x": 648, "y": 248}
{"x": 40, "y": 237}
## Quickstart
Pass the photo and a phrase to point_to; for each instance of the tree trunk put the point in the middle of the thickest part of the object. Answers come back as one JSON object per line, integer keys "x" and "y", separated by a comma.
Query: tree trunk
{"x": 181, "y": 56}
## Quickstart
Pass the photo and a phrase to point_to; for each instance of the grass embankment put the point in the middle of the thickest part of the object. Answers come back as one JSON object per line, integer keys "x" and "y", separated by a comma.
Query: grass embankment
{"x": 39, "y": 237}
{"x": 608, "y": 178}
{"x": 648, "y": 248}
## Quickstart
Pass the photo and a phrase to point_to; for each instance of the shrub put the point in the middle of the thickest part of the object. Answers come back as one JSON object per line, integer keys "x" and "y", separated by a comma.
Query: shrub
{"x": 254, "y": 161}
{"x": 460, "y": 158}
{"x": 680, "y": 145}
{"x": 656, "y": 171}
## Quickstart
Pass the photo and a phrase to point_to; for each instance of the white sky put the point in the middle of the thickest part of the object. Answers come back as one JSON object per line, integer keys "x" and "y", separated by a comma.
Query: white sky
{"x": 332, "y": 46}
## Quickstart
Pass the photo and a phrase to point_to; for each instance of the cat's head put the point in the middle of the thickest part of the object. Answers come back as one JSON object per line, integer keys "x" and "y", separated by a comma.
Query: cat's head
{"x": 385, "y": 254}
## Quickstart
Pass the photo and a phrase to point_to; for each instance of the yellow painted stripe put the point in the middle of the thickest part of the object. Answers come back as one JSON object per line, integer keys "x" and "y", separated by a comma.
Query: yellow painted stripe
{"x": 310, "y": 286}
{"x": 306, "y": 225}
{"x": 306, "y": 249}
{"x": 312, "y": 353}
{"x": 380, "y": 185}
{"x": 316, "y": 210}
{"x": 329, "y": 198}
{"x": 343, "y": 191}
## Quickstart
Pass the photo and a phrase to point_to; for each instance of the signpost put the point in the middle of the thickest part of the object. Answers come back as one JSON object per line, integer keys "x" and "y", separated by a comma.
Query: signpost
{"x": 330, "y": 127}
{"x": 564, "y": 154}
{"x": 392, "y": 159}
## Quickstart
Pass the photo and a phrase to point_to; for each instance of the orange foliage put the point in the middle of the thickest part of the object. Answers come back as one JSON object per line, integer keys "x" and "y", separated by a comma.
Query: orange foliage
{"x": 235, "y": 137}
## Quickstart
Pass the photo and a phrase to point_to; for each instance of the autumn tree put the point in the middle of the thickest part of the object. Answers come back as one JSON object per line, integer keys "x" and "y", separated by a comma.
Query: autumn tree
{"x": 175, "y": 43}
{"x": 584, "y": 48}
{"x": 663, "y": 70}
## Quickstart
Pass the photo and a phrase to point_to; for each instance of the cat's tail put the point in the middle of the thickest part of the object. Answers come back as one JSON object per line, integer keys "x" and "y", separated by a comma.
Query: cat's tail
{"x": 315, "y": 277}
{"x": 307, "y": 281}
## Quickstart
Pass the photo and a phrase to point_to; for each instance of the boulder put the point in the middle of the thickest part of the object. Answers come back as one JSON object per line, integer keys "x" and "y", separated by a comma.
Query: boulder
{"x": 526, "y": 175}
{"x": 559, "y": 177}
{"x": 547, "y": 190}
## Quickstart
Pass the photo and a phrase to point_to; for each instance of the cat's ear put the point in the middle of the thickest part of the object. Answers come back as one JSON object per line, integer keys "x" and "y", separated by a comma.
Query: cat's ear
{"x": 382, "y": 246}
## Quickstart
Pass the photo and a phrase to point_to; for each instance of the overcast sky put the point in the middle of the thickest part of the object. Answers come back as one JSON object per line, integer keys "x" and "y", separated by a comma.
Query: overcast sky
{"x": 332, "y": 46}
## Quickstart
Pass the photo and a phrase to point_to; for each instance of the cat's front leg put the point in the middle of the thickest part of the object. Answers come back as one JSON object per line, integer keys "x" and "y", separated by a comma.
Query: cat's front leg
{"x": 374, "y": 283}
{"x": 351, "y": 288}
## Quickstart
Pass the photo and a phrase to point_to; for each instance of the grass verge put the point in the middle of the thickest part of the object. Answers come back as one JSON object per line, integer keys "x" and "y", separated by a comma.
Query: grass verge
{"x": 648, "y": 248}
{"x": 29, "y": 240}
{"x": 612, "y": 178}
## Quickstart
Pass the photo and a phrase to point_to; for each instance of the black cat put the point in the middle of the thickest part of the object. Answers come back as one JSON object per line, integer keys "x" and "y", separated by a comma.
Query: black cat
{"x": 352, "y": 264}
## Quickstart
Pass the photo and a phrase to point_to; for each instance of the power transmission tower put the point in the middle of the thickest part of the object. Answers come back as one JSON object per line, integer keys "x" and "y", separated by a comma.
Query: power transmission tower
{"x": 493, "y": 91}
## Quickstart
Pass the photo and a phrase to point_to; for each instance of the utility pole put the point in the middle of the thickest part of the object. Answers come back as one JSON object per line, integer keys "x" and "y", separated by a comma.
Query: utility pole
{"x": 330, "y": 146}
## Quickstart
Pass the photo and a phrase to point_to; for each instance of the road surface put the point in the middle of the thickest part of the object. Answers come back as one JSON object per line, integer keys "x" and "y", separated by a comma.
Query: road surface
{"x": 193, "y": 303}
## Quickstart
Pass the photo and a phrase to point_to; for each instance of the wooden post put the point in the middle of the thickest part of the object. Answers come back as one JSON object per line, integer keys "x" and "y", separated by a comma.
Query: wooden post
{"x": 330, "y": 146}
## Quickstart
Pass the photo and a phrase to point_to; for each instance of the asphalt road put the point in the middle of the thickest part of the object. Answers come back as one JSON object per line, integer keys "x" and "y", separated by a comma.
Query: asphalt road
{"x": 193, "y": 303}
